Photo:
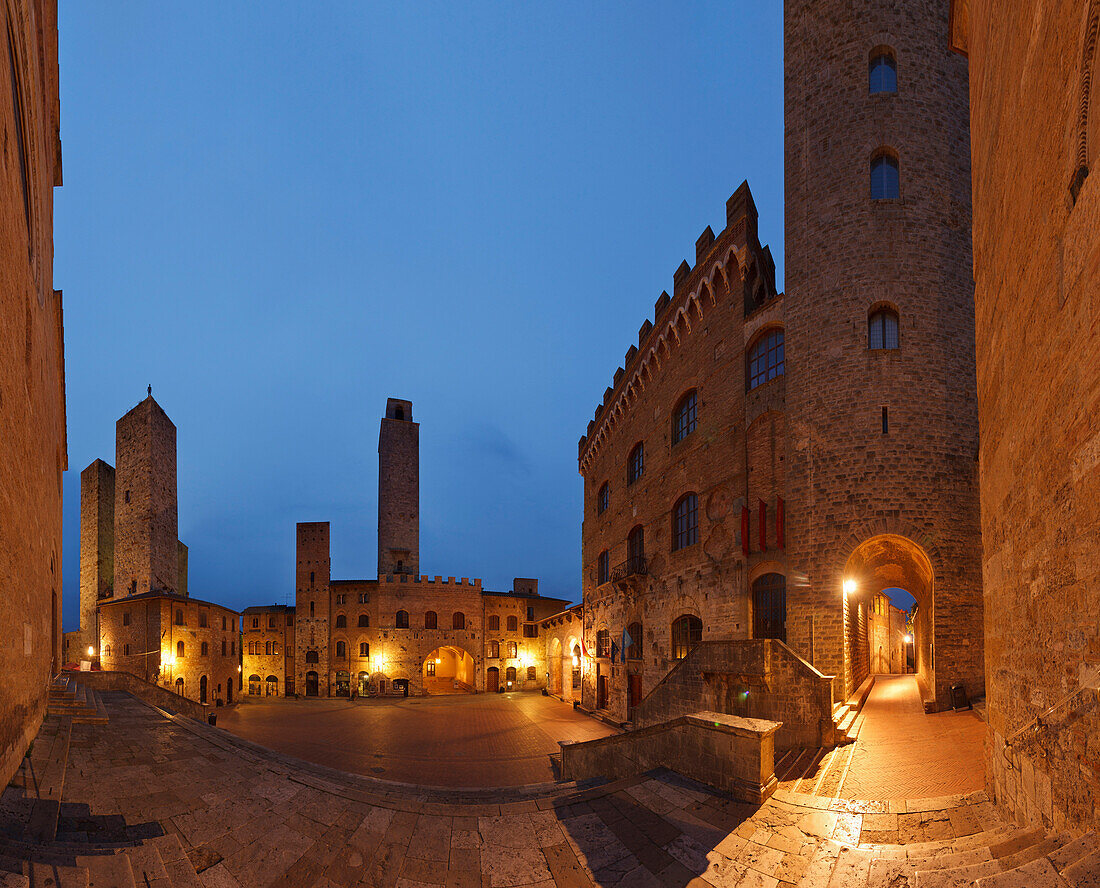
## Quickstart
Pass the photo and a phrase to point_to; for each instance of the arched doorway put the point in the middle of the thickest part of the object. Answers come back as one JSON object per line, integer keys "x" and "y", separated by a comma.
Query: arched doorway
{"x": 555, "y": 666}
{"x": 253, "y": 685}
{"x": 179, "y": 686}
{"x": 229, "y": 691}
{"x": 202, "y": 689}
{"x": 510, "y": 679}
{"x": 448, "y": 670}
{"x": 311, "y": 684}
{"x": 575, "y": 674}
{"x": 343, "y": 684}
{"x": 362, "y": 683}
{"x": 894, "y": 564}
{"x": 492, "y": 679}
{"x": 271, "y": 686}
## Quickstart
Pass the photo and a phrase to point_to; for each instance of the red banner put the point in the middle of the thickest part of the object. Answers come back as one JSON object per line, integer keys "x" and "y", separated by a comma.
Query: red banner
{"x": 763, "y": 526}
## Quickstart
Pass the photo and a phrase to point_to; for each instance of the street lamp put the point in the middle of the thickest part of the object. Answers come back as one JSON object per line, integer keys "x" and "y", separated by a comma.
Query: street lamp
{"x": 849, "y": 587}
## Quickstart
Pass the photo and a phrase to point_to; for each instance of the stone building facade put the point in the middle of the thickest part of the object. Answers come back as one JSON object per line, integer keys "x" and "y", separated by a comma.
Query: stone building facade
{"x": 135, "y": 611}
{"x": 33, "y": 449}
{"x": 402, "y": 631}
{"x": 764, "y": 464}
{"x": 1035, "y": 129}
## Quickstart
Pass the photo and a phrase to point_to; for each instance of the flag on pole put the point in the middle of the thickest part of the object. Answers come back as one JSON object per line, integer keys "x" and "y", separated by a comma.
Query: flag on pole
{"x": 584, "y": 648}
{"x": 627, "y": 642}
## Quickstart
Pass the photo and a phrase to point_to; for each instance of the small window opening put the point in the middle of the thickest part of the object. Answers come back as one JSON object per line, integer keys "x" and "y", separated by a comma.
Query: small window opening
{"x": 886, "y": 420}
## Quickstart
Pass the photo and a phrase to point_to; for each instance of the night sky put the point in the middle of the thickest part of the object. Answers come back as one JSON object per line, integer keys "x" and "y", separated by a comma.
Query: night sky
{"x": 281, "y": 214}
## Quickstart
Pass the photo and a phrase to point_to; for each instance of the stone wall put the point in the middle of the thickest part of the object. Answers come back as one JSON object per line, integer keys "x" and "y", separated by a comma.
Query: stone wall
{"x": 733, "y": 754}
{"x": 756, "y": 678}
{"x": 1035, "y": 120}
{"x": 143, "y": 690}
{"x": 97, "y": 545}
{"x": 32, "y": 386}
{"x": 268, "y": 650}
{"x": 847, "y": 480}
{"x": 561, "y": 638}
{"x": 312, "y": 627}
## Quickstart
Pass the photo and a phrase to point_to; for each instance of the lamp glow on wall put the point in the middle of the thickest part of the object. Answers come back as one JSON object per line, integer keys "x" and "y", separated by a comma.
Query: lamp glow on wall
{"x": 908, "y": 639}
{"x": 849, "y": 587}
{"x": 91, "y": 651}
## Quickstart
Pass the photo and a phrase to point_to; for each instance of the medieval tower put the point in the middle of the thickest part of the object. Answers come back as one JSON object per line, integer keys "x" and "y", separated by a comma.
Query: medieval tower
{"x": 879, "y": 329}
{"x": 97, "y": 545}
{"x": 146, "y": 543}
{"x": 312, "y": 607}
{"x": 398, "y": 491}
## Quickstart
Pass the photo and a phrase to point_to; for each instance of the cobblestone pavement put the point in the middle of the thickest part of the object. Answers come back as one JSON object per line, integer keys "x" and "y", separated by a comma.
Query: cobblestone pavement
{"x": 466, "y": 740}
{"x": 246, "y": 816}
{"x": 902, "y": 753}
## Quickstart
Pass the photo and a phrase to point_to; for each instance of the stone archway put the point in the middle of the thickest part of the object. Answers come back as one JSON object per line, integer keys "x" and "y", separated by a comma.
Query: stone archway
{"x": 883, "y": 562}
{"x": 448, "y": 670}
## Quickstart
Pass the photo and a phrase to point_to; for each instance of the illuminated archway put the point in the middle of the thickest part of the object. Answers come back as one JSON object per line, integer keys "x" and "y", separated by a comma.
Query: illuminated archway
{"x": 554, "y": 661}
{"x": 888, "y": 561}
{"x": 448, "y": 670}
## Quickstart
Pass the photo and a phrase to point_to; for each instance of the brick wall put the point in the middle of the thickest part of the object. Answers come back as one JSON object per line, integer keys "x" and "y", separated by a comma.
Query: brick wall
{"x": 312, "y": 607}
{"x": 846, "y": 481}
{"x": 32, "y": 388}
{"x": 1037, "y": 273}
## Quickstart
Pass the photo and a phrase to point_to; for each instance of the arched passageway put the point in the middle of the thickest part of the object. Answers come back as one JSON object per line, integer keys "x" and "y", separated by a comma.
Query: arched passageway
{"x": 448, "y": 670}
{"x": 888, "y": 562}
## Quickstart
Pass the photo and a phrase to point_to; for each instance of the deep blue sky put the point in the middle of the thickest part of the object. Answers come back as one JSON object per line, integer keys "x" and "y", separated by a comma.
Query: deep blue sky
{"x": 279, "y": 214}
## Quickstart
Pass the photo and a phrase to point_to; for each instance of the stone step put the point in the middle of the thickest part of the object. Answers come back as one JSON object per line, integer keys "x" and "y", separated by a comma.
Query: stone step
{"x": 148, "y": 867}
{"x": 180, "y": 871}
{"x": 1072, "y": 852}
{"x": 1083, "y": 872}
{"x": 50, "y": 875}
{"x": 108, "y": 871}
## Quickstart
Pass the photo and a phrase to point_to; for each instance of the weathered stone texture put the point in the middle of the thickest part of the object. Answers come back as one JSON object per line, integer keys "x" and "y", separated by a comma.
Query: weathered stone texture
{"x": 32, "y": 387}
{"x": 846, "y": 480}
{"x": 312, "y": 629}
{"x": 146, "y": 523}
{"x": 1035, "y": 121}
{"x": 97, "y": 544}
{"x": 267, "y": 650}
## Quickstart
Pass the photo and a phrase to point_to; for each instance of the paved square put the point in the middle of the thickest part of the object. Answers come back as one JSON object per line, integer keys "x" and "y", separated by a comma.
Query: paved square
{"x": 462, "y": 741}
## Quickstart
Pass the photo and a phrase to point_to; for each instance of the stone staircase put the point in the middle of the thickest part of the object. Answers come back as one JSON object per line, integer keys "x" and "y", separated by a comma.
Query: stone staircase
{"x": 69, "y": 698}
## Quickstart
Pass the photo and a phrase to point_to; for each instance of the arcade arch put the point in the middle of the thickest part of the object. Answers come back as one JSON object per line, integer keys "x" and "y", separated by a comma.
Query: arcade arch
{"x": 448, "y": 670}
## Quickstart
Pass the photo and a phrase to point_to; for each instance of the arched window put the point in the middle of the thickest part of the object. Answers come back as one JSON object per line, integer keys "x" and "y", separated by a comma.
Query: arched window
{"x": 253, "y": 685}
{"x": 513, "y": 624}
{"x": 882, "y": 72}
{"x": 635, "y": 463}
{"x": 402, "y": 619}
{"x": 431, "y": 620}
{"x": 683, "y": 417}
{"x": 179, "y": 686}
{"x": 603, "y": 568}
{"x": 634, "y": 641}
{"x": 494, "y": 623}
{"x": 494, "y": 650}
{"x": 203, "y": 684}
{"x": 769, "y": 607}
{"x": 341, "y": 621}
{"x": 311, "y": 657}
{"x": 271, "y": 688}
{"x": 107, "y": 650}
{"x": 603, "y": 498}
{"x": 765, "y": 358}
{"x": 687, "y": 631}
{"x": 882, "y": 329}
{"x": 275, "y": 648}
{"x": 603, "y": 643}
{"x": 685, "y": 522}
{"x": 885, "y": 177}
{"x": 510, "y": 675}
{"x": 267, "y": 648}
{"x": 635, "y": 550}
{"x": 179, "y": 650}
{"x": 341, "y": 649}
{"x": 204, "y": 649}
{"x": 364, "y": 621}
{"x": 458, "y": 621}
{"x": 364, "y": 650}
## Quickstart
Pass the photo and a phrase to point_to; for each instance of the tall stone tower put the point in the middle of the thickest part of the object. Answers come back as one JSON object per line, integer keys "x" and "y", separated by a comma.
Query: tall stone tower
{"x": 146, "y": 522}
{"x": 97, "y": 544}
{"x": 398, "y": 491}
{"x": 311, "y": 610}
{"x": 879, "y": 336}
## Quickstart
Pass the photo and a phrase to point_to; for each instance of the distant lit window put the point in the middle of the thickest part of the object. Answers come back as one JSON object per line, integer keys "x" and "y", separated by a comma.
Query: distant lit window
{"x": 687, "y": 631}
{"x": 513, "y": 650}
{"x": 603, "y": 643}
{"x": 494, "y": 650}
{"x": 882, "y": 329}
{"x": 885, "y": 178}
{"x": 635, "y": 464}
{"x": 683, "y": 418}
{"x": 883, "y": 74}
{"x": 766, "y": 358}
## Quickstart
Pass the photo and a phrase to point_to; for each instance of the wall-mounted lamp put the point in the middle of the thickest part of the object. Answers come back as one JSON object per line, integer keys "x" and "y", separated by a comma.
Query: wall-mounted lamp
{"x": 908, "y": 639}
{"x": 91, "y": 651}
{"x": 849, "y": 587}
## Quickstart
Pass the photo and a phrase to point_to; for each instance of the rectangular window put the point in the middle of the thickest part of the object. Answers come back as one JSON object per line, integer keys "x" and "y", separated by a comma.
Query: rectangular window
{"x": 886, "y": 420}
{"x": 530, "y": 630}
{"x": 511, "y": 649}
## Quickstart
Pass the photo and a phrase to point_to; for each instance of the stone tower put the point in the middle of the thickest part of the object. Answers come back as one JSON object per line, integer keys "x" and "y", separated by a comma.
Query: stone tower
{"x": 882, "y": 440}
{"x": 311, "y": 611}
{"x": 146, "y": 556}
{"x": 97, "y": 544}
{"x": 398, "y": 491}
